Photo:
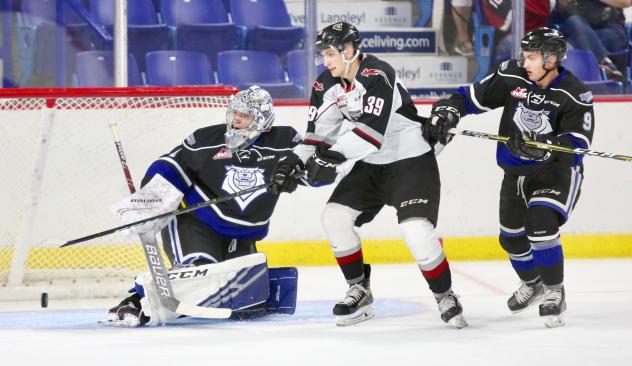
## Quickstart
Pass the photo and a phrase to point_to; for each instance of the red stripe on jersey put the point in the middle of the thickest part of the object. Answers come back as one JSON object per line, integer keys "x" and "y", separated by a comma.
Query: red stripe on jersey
{"x": 349, "y": 258}
{"x": 367, "y": 138}
{"x": 315, "y": 142}
{"x": 311, "y": 142}
{"x": 437, "y": 271}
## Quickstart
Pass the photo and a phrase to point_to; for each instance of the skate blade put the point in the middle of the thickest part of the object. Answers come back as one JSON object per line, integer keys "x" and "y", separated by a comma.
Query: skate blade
{"x": 554, "y": 321}
{"x": 127, "y": 322}
{"x": 362, "y": 314}
{"x": 458, "y": 322}
{"x": 536, "y": 300}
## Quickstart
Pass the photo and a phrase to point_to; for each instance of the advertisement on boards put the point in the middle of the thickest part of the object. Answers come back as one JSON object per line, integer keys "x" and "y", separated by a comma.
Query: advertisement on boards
{"x": 362, "y": 14}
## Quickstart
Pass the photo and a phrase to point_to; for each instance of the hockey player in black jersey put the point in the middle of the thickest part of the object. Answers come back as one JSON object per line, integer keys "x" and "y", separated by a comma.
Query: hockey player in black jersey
{"x": 542, "y": 102}
{"x": 382, "y": 160}
{"x": 220, "y": 239}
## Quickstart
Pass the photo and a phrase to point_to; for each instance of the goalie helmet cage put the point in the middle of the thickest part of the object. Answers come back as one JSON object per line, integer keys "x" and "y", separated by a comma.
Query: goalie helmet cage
{"x": 61, "y": 173}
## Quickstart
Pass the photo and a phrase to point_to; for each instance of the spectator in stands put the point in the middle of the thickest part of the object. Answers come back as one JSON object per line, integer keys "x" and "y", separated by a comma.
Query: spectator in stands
{"x": 597, "y": 26}
{"x": 498, "y": 14}
{"x": 461, "y": 13}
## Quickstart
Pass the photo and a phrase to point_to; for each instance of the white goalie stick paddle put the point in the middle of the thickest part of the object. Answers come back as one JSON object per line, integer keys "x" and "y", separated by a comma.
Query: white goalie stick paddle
{"x": 163, "y": 285}
{"x": 541, "y": 145}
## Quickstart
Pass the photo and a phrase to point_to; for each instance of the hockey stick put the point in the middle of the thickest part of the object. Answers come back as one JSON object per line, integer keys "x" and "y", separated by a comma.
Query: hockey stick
{"x": 541, "y": 145}
{"x": 156, "y": 264}
{"x": 160, "y": 277}
{"x": 176, "y": 212}
{"x": 122, "y": 159}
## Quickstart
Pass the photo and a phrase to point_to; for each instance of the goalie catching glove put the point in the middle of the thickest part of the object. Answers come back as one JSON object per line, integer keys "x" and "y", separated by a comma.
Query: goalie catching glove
{"x": 157, "y": 197}
{"x": 321, "y": 167}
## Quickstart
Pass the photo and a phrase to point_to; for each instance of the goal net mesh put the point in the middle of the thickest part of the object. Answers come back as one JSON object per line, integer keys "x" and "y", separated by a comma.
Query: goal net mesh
{"x": 61, "y": 173}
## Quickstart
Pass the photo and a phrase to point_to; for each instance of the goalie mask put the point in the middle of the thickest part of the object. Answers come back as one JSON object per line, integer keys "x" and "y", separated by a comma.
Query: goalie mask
{"x": 254, "y": 106}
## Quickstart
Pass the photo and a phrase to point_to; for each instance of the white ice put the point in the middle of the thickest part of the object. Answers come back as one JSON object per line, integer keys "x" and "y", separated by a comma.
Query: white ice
{"x": 407, "y": 329}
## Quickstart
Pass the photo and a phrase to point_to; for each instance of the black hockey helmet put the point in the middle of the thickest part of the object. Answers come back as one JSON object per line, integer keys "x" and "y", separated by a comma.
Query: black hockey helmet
{"x": 547, "y": 41}
{"x": 337, "y": 35}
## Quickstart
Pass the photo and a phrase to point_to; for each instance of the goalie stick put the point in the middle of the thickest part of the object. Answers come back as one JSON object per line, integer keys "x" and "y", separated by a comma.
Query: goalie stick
{"x": 122, "y": 159}
{"x": 156, "y": 263}
{"x": 176, "y": 212}
{"x": 541, "y": 145}
{"x": 160, "y": 278}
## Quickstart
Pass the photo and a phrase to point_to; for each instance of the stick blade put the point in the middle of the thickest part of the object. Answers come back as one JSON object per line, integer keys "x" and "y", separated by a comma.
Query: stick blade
{"x": 203, "y": 312}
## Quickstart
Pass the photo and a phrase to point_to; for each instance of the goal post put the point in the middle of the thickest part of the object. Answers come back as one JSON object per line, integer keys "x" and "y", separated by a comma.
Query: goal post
{"x": 61, "y": 173}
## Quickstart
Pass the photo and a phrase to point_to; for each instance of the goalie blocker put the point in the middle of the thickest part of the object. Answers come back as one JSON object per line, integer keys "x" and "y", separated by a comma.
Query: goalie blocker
{"x": 244, "y": 284}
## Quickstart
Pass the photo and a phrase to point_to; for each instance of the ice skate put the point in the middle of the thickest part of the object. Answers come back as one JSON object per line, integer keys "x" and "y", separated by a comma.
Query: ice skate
{"x": 451, "y": 310}
{"x": 526, "y": 295}
{"x": 127, "y": 314}
{"x": 553, "y": 307}
{"x": 356, "y": 306}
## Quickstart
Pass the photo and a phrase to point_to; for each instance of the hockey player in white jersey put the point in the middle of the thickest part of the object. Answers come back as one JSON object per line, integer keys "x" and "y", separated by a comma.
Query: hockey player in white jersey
{"x": 212, "y": 249}
{"x": 386, "y": 162}
{"x": 542, "y": 102}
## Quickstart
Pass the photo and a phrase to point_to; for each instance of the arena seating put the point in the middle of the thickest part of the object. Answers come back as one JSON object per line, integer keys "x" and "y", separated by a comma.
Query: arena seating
{"x": 96, "y": 69}
{"x": 144, "y": 33}
{"x": 178, "y": 68}
{"x": 202, "y": 26}
{"x": 268, "y": 26}
{"x": 583, "y": 64}
{"x": 243, "y": 68}
{"x": 37, "y": 41}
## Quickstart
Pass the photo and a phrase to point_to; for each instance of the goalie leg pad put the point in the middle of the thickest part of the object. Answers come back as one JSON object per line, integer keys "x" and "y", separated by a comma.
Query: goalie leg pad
{"x": 283, "y": 290}
{"x": 236, "y": 284}
{"x": 282, "y": 298}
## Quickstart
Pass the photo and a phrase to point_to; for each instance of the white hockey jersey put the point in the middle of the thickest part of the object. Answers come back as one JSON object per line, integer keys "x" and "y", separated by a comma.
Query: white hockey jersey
{"x": 384, "y": 123}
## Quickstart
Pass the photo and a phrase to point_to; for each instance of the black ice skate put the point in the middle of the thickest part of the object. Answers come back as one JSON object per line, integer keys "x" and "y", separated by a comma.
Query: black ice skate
{"x": 356, "y": 306}
{"x": 526, "y": 295}
{"x": 553, "y": 307}
{"x": 451, "y": 310}
{"x": 127, "y": 314}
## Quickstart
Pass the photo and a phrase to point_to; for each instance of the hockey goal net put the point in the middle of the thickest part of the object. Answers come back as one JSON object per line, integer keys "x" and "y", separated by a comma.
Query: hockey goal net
{"x": 61, "y": 172}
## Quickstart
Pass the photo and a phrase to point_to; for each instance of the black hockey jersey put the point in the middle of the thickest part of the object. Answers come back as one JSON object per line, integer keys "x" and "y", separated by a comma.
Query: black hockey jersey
{"x": 385, "y": 124}
{"x": 202, "y": 169}
{"x": 564, "y": 108}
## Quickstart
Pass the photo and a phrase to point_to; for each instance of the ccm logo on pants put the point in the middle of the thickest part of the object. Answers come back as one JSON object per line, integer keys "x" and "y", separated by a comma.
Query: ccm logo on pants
{"x": 414, "y": 201}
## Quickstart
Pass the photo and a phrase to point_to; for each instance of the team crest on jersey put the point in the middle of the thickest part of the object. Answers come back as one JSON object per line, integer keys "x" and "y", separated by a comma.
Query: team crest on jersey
{"x": 372, "y": 72}
{"x": 239, "y": 178}
{"x": 520, "y": 93}
{"x": 318, "y": 86}
{"x": 223, "y": 154}
{"x": 190, "y": 140}
{"x": 529, "y": 120}
{"x": 586, "y": 97}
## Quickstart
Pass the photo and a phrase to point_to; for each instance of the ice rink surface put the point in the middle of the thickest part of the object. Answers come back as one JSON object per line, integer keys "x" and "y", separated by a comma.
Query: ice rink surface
{"x": 407, "y": 329}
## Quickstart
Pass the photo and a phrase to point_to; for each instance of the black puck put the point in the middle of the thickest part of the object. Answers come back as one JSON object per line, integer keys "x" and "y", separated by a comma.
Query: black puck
{"x": 44, "y": 300}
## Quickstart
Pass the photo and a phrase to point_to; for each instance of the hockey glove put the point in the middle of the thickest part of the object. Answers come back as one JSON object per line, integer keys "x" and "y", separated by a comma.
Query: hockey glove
{"x": 283, "y": 179}
{"x": 321, "y": 167}
{"x": 517, "y": 145}
{"x": 443, "y": 117}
